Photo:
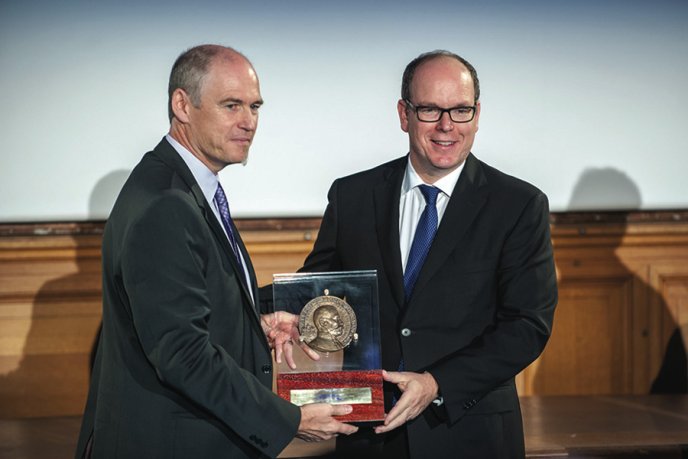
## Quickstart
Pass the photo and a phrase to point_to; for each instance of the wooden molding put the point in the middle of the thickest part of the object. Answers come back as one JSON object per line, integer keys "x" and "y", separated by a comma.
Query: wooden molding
{"x": 97, "y": 227}
{"x": 563, "y": 223}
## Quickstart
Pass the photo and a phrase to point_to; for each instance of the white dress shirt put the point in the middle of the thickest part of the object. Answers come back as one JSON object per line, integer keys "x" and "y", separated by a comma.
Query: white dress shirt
{"x": 208, "y": 183}
{"x": 412, "y": 203}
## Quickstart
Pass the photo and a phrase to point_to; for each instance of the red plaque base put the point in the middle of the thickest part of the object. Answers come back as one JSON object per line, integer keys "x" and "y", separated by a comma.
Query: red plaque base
{"x": 362, "y": 412}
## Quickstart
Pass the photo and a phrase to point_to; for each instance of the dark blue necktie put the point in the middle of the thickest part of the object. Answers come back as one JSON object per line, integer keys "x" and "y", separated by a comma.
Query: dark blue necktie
{"x": 422, "y": 240}
{"x": 223, "y": 206}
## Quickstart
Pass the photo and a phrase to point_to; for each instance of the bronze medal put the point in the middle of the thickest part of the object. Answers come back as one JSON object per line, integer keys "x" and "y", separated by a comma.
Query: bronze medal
{"x": 327, "y": 323}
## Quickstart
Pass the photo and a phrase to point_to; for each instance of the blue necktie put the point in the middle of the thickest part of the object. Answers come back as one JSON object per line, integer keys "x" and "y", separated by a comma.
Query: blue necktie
{"x": 422, "y": 240}
{"x": 223, "y": 206}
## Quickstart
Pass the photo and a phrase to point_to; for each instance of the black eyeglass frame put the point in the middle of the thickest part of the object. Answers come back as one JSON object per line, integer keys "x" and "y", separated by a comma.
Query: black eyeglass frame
{"x": 415, "y": 108}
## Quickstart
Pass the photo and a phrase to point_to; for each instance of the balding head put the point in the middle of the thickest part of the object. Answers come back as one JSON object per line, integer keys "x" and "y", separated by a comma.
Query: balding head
{"x": 190, "y": 69}
{"x": 410, "y": 71}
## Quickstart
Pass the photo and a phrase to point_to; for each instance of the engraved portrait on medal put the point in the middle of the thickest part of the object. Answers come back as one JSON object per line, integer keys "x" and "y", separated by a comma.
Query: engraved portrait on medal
{"x": 327, "y": 323}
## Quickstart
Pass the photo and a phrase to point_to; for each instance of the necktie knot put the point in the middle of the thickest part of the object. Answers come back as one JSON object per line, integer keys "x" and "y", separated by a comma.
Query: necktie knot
{"x": 430, "y": 194}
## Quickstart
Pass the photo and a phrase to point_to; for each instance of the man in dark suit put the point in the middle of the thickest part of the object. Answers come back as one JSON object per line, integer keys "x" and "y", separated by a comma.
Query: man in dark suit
{"x": 183, "y": 367}
{"x": 465, "y": 270}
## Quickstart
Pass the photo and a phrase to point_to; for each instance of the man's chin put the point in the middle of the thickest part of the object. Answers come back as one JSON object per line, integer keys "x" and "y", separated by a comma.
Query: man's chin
{"x": 448, "y": 163}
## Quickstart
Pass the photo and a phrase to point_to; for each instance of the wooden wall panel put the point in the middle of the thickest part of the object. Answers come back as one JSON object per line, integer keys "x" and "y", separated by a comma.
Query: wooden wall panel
{"x": 50, "y": 309}
{"x": 50, "y": 298}
{"x": 270, "y": 257}
{"x": 670, "y": 281}
{"x": 669, "y": 317}
{"x": 590, "y": 349}
{"x": 623, "y": 281}
{"x": 623, "y": 290}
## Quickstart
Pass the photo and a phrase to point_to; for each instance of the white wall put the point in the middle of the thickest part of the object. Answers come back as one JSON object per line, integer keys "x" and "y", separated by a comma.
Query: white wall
{"x": 586, "y": 99}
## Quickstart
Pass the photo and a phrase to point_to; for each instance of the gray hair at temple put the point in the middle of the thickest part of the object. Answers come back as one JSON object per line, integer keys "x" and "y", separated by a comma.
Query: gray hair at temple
{"x": 189, "y": 70}
{"x": 410, "y": 71}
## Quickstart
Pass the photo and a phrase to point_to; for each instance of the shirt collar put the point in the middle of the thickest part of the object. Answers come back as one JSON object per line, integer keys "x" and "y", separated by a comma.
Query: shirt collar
{"x": 204, "y": 176}
{"x": 446, "y": 184}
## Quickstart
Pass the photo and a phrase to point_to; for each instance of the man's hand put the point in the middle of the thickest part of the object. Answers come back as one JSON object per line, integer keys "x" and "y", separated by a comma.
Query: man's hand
{"x": 282, "y": 331}
{"x": 418, "y": 391}
{"x": 317, "y": 423}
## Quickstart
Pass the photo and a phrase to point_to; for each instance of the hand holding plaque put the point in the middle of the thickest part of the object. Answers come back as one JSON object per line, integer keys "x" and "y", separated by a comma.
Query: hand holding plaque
{"x": 282, "y": 332}
{"x": 338, "y": 318}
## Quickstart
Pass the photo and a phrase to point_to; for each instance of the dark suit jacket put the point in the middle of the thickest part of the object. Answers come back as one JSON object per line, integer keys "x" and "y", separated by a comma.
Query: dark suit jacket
{"x": 482, "y": 306}
{"x": 183, "y": 369}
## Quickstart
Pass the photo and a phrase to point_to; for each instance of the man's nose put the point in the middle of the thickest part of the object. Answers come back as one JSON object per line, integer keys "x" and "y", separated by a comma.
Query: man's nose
{"x": 445, "y": 122}
{"x": 248, "y": 121}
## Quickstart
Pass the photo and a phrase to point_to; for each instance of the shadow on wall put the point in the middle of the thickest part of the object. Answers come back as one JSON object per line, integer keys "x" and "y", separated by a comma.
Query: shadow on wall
{"x": 105, "y": 193}
{"x": 603, "y": 189}
{"x": 607, "y": 188}
{"x": 50, "y": 377}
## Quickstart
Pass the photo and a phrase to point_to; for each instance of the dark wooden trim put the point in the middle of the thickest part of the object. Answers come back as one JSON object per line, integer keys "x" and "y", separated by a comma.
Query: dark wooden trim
{"x": 618, "y": 216}
{"x": 51, "y": 229}
{"x": 313, "y": 223}
{"x": 96, "y": 228}
{"x": 278, "y": 224}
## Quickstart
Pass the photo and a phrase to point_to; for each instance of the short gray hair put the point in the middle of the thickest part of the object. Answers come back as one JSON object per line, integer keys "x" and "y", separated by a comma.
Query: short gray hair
{"x": 190, "y": 69}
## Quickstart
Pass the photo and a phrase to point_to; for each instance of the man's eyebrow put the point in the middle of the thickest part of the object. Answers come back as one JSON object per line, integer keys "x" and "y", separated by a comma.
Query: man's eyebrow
{"x": 231, "y": 99}
{"x": 433, "y": 105}
{"x": 239, "y": 101}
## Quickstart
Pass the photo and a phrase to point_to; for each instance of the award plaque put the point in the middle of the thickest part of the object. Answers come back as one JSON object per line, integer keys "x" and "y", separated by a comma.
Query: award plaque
{"x": 339, "y": 319}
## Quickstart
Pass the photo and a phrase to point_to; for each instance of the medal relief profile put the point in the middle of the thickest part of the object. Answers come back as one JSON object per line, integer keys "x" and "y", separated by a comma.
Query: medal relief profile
{"x": 327, "y": 323}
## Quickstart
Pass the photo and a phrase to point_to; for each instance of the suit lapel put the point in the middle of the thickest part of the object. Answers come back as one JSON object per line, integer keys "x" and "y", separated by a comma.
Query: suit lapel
{"x": 227, "y": 248}
{"x": 168, "y": 155}
{"x": 386, "y": 195}
{"x": 468, "y": 197}
{"x": 247, "y": 259}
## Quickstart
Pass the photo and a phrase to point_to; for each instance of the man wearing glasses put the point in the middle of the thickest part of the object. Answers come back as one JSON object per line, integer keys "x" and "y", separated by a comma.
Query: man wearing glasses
{"x": 465, "y": 271}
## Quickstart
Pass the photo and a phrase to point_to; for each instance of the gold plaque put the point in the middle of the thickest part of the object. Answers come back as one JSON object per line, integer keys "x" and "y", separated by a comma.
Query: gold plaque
{"x": 327, "y": 323}
{"x": 334, "y": 396}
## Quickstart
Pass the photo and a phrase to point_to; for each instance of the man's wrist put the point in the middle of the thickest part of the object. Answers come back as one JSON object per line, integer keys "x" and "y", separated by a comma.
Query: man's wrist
{"x": 437, "y": 398}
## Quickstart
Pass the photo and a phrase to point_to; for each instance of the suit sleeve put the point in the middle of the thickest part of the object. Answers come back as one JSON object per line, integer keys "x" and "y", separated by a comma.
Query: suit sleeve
{"x": 526, "y": 298}
{"x": 164, "y": 259}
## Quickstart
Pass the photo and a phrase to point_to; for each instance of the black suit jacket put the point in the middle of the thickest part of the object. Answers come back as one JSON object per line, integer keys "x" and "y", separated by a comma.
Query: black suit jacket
{"x": 482, "y": 306}
{"x": 183, "y": 368}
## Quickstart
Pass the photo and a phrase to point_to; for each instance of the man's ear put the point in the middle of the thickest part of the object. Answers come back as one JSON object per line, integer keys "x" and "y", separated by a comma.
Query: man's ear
{"x": 477, "y": 115}
{"x": 181, "y": 105}
{"x": 403, "y": 115}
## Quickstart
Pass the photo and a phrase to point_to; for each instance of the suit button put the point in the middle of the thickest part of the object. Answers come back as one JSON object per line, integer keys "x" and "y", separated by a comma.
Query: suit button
{"x": 405, "y": 332}
{"x": 267, "y": 369}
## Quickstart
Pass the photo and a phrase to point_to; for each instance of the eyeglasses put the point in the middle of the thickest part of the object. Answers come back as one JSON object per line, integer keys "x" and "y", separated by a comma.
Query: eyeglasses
{"x": 429, "y": 114}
